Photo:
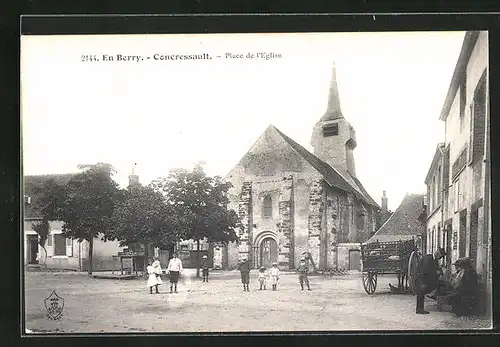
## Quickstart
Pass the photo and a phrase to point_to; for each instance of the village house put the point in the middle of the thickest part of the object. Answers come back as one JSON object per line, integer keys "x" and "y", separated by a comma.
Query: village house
{"x": 62, "y": 253}
{"x": 292, "y": 201}
{"x": 459, "y": 178}
{"x": 435, "y": 236}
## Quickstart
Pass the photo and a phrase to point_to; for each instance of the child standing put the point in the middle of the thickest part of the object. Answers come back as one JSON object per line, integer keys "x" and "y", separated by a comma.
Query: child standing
{"x": 245, "y": 274}
{"x": 274, "y": 272}
{"x": 158, "y": 271}
{"x": 152, "y": 282}
{"x": 262, "y": 277}
{"x": 204, "y": 268}
{"x": 303, "y": 270}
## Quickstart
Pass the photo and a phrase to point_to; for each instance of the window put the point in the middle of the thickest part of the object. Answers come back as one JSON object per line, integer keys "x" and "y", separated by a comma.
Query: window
{"x": 456, "y": 196}
{"x": 439, "y": 186}
{"x": 459, "y": 163}
{"x": 462, "y": 101}
{"x": 462, "y": 230}
{"x": 49, "y": 240}
{"x": 478, "y": 112}
{"x": 433, "y": 193}
{"x": 59, "y": 244}
{"x": 267, "y": 207}
{"x": 331, "y": 130}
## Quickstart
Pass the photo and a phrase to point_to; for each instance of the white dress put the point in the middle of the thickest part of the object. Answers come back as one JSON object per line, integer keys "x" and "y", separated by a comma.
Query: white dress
{"x": 152, "y": 281}
{"x": 158, "y": 271}
{"x": 274, "y": 272}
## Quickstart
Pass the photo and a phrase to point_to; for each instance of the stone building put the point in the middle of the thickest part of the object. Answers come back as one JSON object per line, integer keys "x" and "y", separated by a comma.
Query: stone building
{"x": 460, "y": 191}
{"x": 293, "y": 201}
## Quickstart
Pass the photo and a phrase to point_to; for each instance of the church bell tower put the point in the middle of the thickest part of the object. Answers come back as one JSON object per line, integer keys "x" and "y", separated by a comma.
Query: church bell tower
{"x": 333, "y": 138}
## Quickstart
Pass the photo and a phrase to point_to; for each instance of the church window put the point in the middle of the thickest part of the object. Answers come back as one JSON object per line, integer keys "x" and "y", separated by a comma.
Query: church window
{"x": 267, "y": 207}
{"x": 331, "y": 130}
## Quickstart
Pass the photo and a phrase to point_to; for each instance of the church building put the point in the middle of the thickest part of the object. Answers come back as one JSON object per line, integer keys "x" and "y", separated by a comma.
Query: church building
{"x": 292, "y": 201}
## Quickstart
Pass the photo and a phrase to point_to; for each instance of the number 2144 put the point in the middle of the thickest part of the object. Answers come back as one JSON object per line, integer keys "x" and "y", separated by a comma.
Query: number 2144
{"x": 88, "y": 58}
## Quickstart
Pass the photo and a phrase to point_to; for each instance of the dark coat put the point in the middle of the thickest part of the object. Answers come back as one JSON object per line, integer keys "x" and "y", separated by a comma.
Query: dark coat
{"x": 427, "y": 275}
{"x": 205, "y": 264}
{"x": 245, "y": 267}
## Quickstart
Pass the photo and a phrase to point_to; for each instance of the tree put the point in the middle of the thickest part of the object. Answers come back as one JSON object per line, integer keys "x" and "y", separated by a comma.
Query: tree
{"x": 88, "y": 205}
{"x": 200, "y": 203}
{"x": 50, "y": 199}
{"x": 143, "y": 217}
{"x": 42, "y": 228}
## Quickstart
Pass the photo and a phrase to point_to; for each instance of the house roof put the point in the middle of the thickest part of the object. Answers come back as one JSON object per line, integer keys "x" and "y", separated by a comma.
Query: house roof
{"x": 437, "y": 156}
{"x": 459, "y": 72}
{"x": 404, "y": 223}
{"x": 333, "y": 176}
{"x": 31, "y": 186}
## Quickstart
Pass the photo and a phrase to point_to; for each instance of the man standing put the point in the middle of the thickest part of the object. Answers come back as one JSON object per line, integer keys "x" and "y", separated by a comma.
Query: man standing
{"x": 204, "y": 268}
{"x": 427, "y": 277}
{"x": 245, "y": 274}
{"x": 174, "y": 269}
{"x": 303, "y": 270}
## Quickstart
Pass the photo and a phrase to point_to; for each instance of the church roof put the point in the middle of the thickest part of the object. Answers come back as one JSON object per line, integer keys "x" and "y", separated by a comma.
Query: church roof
{"x": 404, "y": 223}
{"x": 332, "y": 176}
{"x": 31, "y": 187}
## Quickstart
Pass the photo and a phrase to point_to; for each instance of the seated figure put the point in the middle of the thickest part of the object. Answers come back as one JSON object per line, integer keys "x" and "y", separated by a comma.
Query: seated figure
{"x": 462, "y": 291}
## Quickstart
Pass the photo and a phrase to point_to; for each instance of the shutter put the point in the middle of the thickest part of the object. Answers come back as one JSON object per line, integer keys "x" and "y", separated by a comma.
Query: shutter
{"x": 69, "y": 247}
{"x": 472, "y": 126}
{"x": 50, "y": 243}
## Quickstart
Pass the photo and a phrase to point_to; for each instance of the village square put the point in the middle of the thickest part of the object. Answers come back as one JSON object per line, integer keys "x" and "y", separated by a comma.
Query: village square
{"x": 290, "y": 239}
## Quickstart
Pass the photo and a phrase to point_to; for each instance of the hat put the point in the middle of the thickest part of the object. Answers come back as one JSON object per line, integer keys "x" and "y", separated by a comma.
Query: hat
{"x": 441, "y": 252}
{"x": 303, "y": 258}
{"x": 204, "y": 256}
{"x": 275, "y": 263}
{"x": 462, "y": 261}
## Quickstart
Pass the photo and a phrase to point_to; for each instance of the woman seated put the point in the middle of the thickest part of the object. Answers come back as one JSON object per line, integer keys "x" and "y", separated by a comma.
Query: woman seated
{"x": 462, "y": 292}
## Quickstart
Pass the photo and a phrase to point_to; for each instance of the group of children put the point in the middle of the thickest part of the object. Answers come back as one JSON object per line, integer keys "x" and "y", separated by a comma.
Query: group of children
{"x": 273, "y": 274}
{"x": 154, "y": 273}
{"x": 175, "y": 267}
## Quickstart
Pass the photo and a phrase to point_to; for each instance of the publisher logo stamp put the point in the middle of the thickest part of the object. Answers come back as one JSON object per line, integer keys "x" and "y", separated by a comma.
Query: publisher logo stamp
{"x": 54, "y": 305}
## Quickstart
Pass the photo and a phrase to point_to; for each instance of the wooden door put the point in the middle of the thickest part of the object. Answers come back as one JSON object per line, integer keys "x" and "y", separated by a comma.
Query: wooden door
{"x": 268, "y": 252}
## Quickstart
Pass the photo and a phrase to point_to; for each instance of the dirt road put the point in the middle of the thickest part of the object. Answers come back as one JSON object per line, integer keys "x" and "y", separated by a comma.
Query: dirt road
{"x": 335, "y": 303}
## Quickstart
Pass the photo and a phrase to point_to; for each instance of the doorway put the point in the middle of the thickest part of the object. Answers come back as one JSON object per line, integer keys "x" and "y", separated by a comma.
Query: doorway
{"x": 354, "y": 259}
{"x": 32, "y": 249}
{"x": 268, "y": 252}
{"x": 473, "y": 236}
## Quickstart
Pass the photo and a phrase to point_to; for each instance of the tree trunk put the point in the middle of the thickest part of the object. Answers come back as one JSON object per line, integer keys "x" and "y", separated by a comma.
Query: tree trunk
{"x": 197, "y": 258}
{"x": 210, "y": 252}
{"x": 45, "y": 260}
{"x": 91, "y": 252}
{"x": 146, "y": 259}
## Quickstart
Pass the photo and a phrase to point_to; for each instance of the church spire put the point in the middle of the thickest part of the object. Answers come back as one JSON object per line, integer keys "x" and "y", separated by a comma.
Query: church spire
{"x": 133, "y": 179}
{"x": 333, "y": 111}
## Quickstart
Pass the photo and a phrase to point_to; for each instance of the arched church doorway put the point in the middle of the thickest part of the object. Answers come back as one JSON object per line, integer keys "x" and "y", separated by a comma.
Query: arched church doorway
{"x": 268, "y": 252}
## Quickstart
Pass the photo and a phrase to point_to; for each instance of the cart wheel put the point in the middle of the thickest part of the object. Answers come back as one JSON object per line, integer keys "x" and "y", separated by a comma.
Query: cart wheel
{"x": 412, "y": 269}
{"x": 370, "y": 282}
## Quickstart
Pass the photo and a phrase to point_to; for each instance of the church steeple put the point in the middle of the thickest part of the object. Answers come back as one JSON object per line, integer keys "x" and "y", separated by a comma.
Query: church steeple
{"x": 333, "y": 110}
{"x": 333, "y": 138}
{"x": 133, "y": 179}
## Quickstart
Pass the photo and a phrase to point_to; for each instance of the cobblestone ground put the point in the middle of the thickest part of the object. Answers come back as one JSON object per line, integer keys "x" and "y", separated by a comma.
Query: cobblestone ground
{"x": 335, "y": 303}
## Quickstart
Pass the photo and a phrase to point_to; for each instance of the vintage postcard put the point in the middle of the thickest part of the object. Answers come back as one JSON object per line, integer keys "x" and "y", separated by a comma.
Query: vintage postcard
{"x": 293, "y": 182}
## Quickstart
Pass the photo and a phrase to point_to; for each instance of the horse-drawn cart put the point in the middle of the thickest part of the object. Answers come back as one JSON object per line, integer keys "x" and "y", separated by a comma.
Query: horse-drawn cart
{"x": 389, "y": 258}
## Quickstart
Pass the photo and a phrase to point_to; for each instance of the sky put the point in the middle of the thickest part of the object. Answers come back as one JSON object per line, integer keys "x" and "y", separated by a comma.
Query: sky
{"x": 165, "y": 114}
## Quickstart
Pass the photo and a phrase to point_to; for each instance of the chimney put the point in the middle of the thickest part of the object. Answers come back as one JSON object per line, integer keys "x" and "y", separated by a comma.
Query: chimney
{"x": 384, "y": 203}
